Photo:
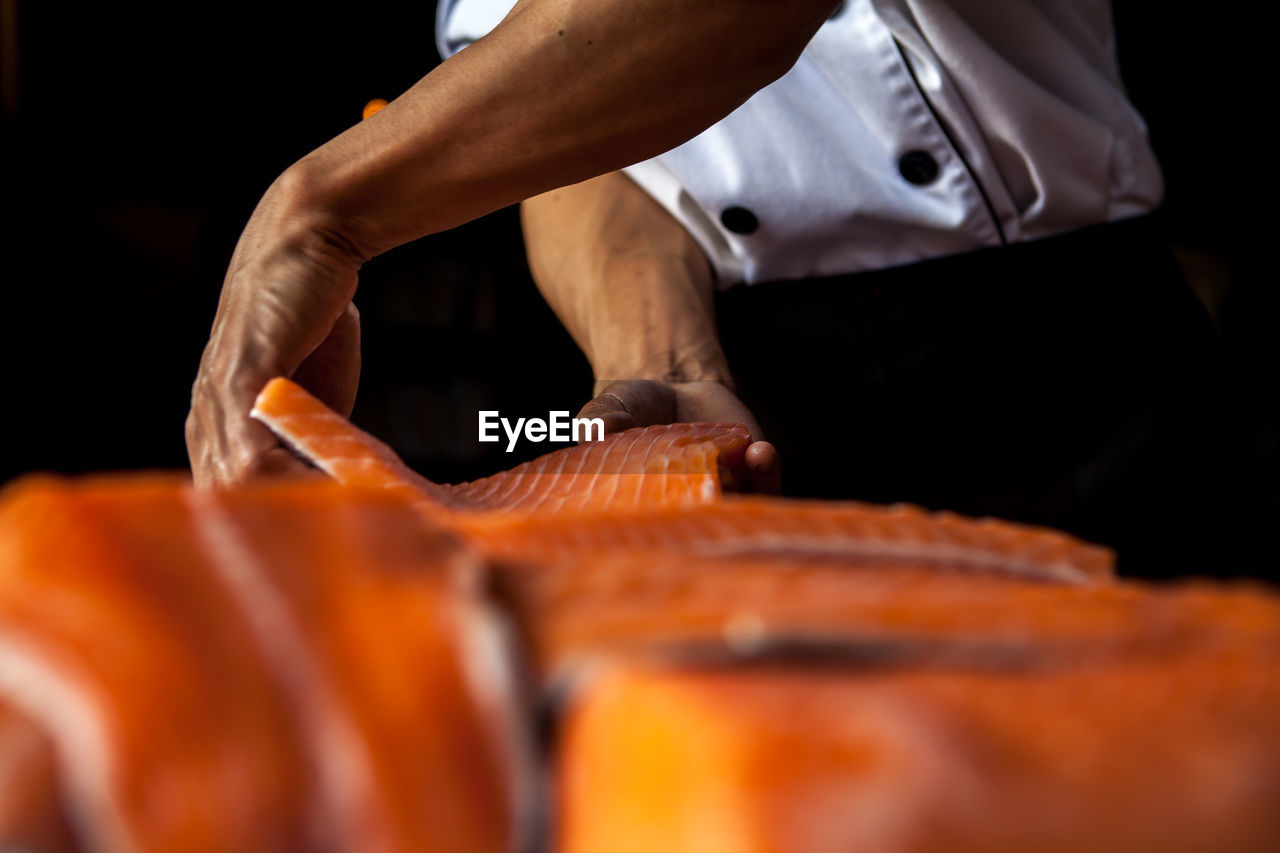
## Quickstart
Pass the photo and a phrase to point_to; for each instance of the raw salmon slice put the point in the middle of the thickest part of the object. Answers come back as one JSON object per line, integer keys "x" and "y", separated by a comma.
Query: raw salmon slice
{"x": 576, "y": 611}
{"x": 664, "y": 465}
{"x": 286, "y": 667}
{"x": 1171, "y": 754}
{"x": 785, "y": 530}
{"x": 656, "y": 489}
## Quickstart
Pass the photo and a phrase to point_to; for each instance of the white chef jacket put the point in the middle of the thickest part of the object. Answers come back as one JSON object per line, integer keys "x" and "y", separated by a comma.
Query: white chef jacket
{"x": 907, "y": 129}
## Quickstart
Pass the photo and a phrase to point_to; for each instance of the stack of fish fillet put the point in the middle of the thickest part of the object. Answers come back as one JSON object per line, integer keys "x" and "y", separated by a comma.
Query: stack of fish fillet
{"x": 598, "y": 652}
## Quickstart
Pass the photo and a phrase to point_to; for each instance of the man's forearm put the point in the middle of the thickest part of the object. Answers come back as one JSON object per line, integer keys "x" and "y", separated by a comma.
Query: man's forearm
{"x": 637, "y": 294}
{"x": 627, "y": 281}
{"x": 560, "y": 91}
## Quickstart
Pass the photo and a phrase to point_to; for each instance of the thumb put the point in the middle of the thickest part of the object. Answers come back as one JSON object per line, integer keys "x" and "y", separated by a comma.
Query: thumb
{"x": 631, "y": 403}
{"x": 332, "y": 370}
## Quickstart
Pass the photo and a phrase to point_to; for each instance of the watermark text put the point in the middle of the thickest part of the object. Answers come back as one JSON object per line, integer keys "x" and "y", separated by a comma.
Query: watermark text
{"x": 557, "y": 427}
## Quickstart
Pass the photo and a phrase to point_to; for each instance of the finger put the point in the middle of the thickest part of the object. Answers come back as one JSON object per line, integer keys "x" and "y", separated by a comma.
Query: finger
{"x": 259, "y": 455}
{"x": 728, "y": 481}
{"x": 332, "y": 371}
{"x": 206, "y": 447}
{"x": 278, "y": 463}
{"x": 201, "y": 474}
{"x": 764, "y": 468}
{"x": 615, "y": 418}
{"x": 713, "y": 400}
{"x": 631, "y": 403}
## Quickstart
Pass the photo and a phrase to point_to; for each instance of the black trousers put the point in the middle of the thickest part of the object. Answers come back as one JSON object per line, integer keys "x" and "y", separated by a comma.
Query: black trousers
{"x": 1072, "y": 382}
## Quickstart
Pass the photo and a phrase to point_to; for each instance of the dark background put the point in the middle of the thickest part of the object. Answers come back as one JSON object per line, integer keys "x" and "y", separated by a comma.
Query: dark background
{"x": 143, "y": 136}
{"x": 137, "y": 138}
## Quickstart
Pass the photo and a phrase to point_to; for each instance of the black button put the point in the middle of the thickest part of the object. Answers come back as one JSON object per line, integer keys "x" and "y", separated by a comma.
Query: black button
{"x": 918, "y": 167}
{"x": 739, "y": 220}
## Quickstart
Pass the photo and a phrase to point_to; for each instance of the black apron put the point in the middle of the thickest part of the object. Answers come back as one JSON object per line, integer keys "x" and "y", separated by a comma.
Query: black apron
{"x": 1072, "y": 381}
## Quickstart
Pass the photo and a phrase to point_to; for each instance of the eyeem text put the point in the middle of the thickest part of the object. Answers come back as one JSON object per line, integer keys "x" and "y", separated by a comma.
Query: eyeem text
{"x": 557, "y": 427}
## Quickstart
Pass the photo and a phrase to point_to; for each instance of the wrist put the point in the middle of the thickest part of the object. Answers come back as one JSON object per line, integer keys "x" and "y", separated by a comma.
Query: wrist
{"x": 305, "y": 206}
{"x": 292, "y": 275}
{"x": 670, "y": 368}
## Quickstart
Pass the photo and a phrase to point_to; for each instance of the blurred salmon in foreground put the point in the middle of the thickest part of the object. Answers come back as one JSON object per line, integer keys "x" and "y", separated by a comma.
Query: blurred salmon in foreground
{"x": 287, "y": 667}
{"x": 1157, "y": 753}
{"x": 599, "y": 651}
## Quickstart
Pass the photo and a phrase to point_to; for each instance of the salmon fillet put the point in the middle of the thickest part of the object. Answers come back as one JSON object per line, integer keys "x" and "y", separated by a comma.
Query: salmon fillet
{"x": 667, "y": 465}
{"x": 309, "y": 665}
{"x": 786, "y": 530}
{"x": 1172, "y": 753}
{"x": 657, "y": 488}
{"x": 577, "y": 610}
{"x": 287, "y": 667}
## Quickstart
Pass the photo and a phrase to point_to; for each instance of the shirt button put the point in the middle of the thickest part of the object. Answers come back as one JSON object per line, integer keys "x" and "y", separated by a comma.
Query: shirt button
{"x": 918, "y": 167}
{"x": 739, "y": 220}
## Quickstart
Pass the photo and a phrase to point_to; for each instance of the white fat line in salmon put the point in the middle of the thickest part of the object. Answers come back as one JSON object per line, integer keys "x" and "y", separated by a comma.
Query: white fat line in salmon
{"x": 557, "y": 427}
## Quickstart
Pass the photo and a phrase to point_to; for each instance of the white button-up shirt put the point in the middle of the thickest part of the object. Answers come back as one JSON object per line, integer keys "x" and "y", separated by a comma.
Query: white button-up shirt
{"x": 1018, "y": 104}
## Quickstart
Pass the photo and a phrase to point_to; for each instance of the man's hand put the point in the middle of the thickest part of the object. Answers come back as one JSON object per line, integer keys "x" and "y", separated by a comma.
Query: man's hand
{"x": 511, "y": 116}
{"x": 641, "y": 402}
{"x": 285, "y": 311}
{"x": 637, "y": 294}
